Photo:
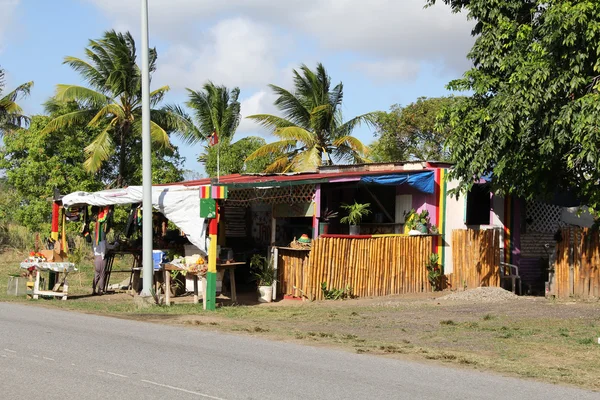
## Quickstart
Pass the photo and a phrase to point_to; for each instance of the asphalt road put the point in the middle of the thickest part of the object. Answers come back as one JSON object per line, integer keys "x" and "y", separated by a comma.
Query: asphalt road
{"x": 54, "y": 354}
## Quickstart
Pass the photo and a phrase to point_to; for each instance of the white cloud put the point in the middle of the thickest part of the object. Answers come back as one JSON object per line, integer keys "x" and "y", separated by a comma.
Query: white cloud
{"x": 234, "y": 52}
{"x": 260, "y": 102}
{"x": 377, "y": 29}
{"x": 386, "y": 70}
{"x": 8, "y": 8}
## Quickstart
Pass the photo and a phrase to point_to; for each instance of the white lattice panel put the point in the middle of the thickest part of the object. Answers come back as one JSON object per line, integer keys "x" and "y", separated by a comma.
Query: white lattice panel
{"x": 542, "y": 217}
{"x": 288, "y": 194}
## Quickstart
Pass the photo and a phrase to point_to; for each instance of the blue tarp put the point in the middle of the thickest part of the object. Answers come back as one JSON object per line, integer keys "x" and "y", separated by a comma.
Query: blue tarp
{"x": 422, "y": 181}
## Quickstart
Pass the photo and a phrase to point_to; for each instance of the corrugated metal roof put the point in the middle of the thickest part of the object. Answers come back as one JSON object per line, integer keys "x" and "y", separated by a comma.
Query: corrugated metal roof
{"x": 260, "y": 180}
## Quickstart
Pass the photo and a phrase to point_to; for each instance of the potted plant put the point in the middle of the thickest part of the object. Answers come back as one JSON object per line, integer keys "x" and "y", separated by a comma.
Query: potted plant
{"x": 356, "y": 212}
{"x": 326, "y": 218}
{"x": 263, "y": 273}
{"x": 417, "y": 223}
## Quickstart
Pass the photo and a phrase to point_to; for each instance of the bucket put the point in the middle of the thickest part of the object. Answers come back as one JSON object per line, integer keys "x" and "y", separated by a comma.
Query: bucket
{"x": 158, "y": 257}
{"x": 265, "y": 294}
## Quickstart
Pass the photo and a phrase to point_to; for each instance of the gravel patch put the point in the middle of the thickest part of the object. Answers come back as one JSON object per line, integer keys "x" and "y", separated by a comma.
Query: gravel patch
{"x": 482, "y": 294}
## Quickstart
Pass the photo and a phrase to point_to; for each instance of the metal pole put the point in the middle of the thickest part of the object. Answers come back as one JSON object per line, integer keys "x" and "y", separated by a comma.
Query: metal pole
{"x": 147, "y": 262}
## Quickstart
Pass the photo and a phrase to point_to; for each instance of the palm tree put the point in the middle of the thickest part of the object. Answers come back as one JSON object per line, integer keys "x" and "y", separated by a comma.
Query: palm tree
{"x": 311, "y": 131}
{"x": 216, "y": 109}
{"x": 11, "y": 114}
{"x": 113, "y": 102}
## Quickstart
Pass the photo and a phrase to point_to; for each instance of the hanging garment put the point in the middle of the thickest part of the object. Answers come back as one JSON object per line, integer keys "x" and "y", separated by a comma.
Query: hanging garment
{"x": 85, "y": 229}
{"x": 73, "y": 214}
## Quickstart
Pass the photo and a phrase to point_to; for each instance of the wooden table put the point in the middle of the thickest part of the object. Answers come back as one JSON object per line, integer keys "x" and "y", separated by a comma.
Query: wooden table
{"x": 56, "y": 267}
{"x": 168, "y": 268}
{"x": 231, "y": 268}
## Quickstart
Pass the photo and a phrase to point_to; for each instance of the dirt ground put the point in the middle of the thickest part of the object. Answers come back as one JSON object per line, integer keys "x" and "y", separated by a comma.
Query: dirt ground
{"x": 528, "y": 337}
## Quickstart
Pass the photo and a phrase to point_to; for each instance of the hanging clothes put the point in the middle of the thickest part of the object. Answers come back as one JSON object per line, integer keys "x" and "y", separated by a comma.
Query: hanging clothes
{"x": 85, "y": 229}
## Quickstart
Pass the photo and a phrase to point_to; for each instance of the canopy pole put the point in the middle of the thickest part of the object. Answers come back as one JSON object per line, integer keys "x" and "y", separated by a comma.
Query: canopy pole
{"x": 211, "y": 274}
{"x": 147, "y": 261}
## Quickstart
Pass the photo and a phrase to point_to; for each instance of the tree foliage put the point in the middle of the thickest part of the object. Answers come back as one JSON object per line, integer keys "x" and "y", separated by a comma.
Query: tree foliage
{"x": 412, "y": 132}
{"x": 11, "y": 114}
{"x": 532, "y": 119}
{"x": 214, "y": 109}
{"x": 113, "y": 103}
{"x": 312, "y": 131}
{"x": 35, "y": 164}
{"x": 233, "y": 157}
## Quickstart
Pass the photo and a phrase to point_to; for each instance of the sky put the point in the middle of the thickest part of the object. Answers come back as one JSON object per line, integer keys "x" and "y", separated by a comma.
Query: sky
{"x": 384, "y": 51}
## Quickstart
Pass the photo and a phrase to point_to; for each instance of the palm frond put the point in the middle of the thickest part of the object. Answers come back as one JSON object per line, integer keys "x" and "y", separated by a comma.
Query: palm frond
{"x": 347, "y": 128}
{"x": 87, "y": 97}
{"x": 159, "y": 135}
{"x": 308, "y": 160}
{"x": 99, "y": 150}
{"x": 80, "y": 117}
{"x": 347, "y": 155}
{"x": 291, "y": 106}
{"x": 113, "y": 110}
{"x": 297, "y": 134}
{"x": 272, "y": 122}
{"x": 280, "y": 165}
{"x": 353, "y": 143}
{"x": 177, "y": 120}
{"x": 156, "y": 96}
{"x": 19, "y": 92}
{"x": 90, "y": 73}
{"x": 282, "y": 146}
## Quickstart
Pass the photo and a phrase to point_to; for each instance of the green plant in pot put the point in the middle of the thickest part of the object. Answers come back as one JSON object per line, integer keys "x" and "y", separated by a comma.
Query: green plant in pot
{"x": 327, "y": 216}
{"x": 356, "y": 212}
{"x": 263, "y": 273}
{"x": 417, "y": 223}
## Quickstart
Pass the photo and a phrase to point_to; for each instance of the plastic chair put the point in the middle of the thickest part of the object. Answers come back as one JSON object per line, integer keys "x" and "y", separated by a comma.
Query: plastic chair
{"x": 512, "y": 276}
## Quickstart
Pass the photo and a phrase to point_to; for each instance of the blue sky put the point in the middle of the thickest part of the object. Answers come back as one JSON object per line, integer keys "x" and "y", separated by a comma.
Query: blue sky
{"x": 384, "y": 51}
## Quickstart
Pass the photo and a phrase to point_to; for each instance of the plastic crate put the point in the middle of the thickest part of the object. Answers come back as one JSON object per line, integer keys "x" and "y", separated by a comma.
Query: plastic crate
{"x": 17, "y": 286}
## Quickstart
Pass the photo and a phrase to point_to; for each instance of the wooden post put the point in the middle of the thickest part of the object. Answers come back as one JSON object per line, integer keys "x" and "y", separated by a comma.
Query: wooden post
{"x": 195, "y": 279}
{"x": 167, "y": 283}
{"x": 211, "y": 275}
{"x": 275, "y": 255}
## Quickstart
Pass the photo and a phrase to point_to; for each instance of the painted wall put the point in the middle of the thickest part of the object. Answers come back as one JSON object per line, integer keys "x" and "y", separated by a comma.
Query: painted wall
{"x": 455, "y": 219}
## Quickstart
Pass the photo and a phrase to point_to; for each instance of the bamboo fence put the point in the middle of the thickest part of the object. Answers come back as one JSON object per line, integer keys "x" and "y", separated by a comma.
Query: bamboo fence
{"x": 292, "y": 271}
{"x": 475, "y": 258}
{"x": 576, "y": 271}
{"x": 367, "y": 267}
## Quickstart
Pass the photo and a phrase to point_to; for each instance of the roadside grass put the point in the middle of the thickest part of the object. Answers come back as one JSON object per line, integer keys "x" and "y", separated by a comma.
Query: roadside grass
{"x": 551, "y": 341}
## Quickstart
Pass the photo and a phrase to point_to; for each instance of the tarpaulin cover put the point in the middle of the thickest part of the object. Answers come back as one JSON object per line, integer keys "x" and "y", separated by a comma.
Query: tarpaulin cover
{"x": 422, "y": 181}
{"x": 180, "y": 204}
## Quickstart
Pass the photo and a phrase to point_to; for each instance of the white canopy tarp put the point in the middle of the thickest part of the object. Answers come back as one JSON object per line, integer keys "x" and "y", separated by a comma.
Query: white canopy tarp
{"x": 180, "y": 204}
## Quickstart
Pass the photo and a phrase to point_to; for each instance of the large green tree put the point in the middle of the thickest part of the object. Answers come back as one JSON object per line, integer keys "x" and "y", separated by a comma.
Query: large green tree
{"x": 533, "y": 117}
{"x": 412, "y": 132}
{"x": 11, "y": 114}
{"x": 35, "y": 164}
{"x": 311, "y": 131}
{"x": 113, "y": 103}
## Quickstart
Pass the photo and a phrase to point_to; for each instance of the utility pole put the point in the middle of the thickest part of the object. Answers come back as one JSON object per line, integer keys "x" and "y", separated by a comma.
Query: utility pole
{"x": 147, "y": 261}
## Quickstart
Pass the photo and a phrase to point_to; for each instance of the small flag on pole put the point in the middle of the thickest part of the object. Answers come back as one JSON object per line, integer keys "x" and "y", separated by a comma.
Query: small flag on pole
{"x": 213, "y": 139}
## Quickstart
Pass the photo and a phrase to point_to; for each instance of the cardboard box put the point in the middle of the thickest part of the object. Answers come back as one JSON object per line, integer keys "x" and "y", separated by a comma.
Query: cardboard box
{"x": 54, "y": 256}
